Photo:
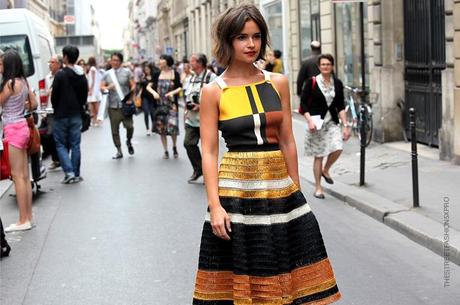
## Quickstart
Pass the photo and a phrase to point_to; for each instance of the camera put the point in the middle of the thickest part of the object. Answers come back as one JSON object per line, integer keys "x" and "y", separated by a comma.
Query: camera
{"x": 195, "y": 97}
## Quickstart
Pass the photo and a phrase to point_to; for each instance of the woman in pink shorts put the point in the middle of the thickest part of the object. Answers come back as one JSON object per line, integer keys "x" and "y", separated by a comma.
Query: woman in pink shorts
{"x": 15, "y": 95}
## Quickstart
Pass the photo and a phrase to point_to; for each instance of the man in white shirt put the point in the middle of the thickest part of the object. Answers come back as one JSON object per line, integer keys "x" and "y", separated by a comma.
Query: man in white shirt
{"x": 47, "y": 140}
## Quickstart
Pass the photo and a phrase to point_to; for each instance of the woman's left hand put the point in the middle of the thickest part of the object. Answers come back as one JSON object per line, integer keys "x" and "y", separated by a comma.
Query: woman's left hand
{"x": 346, "y": 133}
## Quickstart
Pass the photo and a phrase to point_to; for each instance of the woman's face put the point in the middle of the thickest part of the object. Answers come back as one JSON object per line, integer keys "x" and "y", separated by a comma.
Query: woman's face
{"x": 246, "y": 45}
{"x": 147, "y": 70}
{"x": 325, "y": 66}
{"x": 162, "y": 64}
{"x": 187, "y": 68}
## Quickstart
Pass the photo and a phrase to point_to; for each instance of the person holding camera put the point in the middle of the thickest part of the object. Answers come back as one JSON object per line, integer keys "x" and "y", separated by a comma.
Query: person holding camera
{"x": 201, "y": 76}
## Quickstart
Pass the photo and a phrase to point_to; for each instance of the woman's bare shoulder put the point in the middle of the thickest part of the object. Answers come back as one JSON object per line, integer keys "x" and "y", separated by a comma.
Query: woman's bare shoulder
{"x": 281, "y": 82}
{"x": 211, "y": 92}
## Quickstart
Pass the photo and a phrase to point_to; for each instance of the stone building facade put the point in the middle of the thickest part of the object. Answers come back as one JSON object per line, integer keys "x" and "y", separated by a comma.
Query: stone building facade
{"x": 184, "y": 27}
{"x": 388, "y": 67}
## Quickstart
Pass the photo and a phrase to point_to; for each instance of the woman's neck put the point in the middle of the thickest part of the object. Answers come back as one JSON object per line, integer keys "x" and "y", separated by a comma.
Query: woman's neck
{"x": 327, "y": 77}
{"x": 239, "y": 69}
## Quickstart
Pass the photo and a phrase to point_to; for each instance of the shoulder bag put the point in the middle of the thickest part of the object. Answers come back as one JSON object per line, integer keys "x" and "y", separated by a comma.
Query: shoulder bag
{"x": 313, "y": 85}
{"x": 128, "y": 108}
{"x": 33, "y": 146}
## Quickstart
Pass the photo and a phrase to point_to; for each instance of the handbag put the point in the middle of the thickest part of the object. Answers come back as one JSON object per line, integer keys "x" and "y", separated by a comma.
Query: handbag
{"x": 138, "y": 99}
{"x": 5, "y": 169}
{"x": 33, "y": 146}
{"x": 85, "y": 119}
{"x": 128, "y": 109}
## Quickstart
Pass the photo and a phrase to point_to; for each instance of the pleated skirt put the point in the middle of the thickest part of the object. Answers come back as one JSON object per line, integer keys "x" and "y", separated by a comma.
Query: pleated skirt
{"x": 276, "y": 255}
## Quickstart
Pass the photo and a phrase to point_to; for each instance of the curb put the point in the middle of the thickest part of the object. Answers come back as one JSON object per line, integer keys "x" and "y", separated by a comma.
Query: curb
{"x": 419, "y": 228}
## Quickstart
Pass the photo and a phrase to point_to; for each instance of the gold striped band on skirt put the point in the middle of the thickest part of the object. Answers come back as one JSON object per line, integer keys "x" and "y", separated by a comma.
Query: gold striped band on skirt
{"x": 276, "y": 254}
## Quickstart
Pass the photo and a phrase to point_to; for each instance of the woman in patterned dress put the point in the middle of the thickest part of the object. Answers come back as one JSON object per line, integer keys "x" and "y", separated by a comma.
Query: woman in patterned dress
{"x": 261, "y": 243}
{"x": 323, "y": 97}
{"x": 165, "y": 89}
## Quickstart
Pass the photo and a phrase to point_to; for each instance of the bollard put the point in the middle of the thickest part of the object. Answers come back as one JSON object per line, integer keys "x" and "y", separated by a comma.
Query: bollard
{"x": 362, "y": 122}
{"x": 413, "y": 139}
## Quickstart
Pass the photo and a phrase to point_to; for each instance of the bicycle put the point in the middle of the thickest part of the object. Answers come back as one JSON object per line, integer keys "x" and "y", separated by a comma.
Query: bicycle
{"x": 354, "y": 117}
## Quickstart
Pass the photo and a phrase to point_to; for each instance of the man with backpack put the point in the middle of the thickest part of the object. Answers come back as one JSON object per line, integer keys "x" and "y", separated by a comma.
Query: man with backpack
{"x": 309, "y": 67}
{"x": 68, "y": 97}
{"x": 198, "y": 63}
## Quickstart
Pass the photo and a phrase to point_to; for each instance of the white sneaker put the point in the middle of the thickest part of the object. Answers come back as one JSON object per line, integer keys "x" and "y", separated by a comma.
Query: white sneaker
{"x": 68, "y": 178}
{"x": 15, "y": 227}
{"x": 149, "y": 132}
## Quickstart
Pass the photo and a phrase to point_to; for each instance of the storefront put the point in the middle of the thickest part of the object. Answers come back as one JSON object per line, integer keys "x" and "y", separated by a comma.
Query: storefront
{"x": 309, "y": 25}
{"x": 274, "y": 12}
{"x": 348, "y": 43}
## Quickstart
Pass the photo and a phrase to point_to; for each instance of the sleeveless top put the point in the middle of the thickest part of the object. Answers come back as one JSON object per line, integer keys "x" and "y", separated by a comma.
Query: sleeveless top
{"x": 13, "y": 108}
{"x": 250, "y": 115}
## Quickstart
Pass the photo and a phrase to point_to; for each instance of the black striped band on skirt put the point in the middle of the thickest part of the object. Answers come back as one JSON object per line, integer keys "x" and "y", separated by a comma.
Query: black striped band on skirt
{"x": 276, "y": 255}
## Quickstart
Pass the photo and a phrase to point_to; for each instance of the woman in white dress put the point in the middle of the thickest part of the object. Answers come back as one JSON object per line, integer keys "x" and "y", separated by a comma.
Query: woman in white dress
{"x": 323, "y": 100}
{"x": 94, "y": 91}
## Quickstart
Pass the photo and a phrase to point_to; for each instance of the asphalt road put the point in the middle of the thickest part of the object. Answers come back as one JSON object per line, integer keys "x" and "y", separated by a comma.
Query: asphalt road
{"x": 129, "y": 235}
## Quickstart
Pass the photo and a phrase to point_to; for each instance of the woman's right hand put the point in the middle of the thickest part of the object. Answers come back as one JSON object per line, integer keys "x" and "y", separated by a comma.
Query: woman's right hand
{"x": 220, "y": 222}
{"x": 311, "y": 126}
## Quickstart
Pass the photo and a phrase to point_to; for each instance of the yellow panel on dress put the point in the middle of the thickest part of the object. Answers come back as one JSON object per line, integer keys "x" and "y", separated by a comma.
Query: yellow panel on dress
{"x": 234, "y": 103}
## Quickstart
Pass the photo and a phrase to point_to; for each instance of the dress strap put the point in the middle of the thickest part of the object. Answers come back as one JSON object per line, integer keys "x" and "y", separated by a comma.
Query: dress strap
{"x": 267, "y": 75}
{"x": 221, "y": 82}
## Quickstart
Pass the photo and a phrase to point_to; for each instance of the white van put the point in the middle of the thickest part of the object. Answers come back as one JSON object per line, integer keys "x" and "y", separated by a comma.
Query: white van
{"x": 25, "y": 32}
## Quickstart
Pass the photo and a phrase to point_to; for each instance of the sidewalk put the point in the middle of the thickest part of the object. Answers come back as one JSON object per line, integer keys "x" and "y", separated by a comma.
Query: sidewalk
{"x": 387, "y": 195}
{"x": 4, "y": 186}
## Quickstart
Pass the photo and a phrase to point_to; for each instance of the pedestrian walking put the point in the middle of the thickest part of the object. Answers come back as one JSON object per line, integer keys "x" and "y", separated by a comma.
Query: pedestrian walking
{"x": 120, "y": 84}
{"x": 261, "y": 243}
{"x": 278, "y": 62}
{"x": 68, "y": 97}
{"x": 94, "y": 92}
{"x": 47, "y": 139}
{"x": 148, "y": 102}
{"x": 15, "y": 96}
{"x": 322, "y": 104}
{"x": 165, "y": 89}
{"x": 201, "y": 77}
{"x": 309, "y": 67}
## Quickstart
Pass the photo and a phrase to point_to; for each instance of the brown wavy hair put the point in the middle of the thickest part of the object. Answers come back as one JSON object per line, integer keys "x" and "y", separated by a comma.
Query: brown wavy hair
{"x": 229, "y": 25}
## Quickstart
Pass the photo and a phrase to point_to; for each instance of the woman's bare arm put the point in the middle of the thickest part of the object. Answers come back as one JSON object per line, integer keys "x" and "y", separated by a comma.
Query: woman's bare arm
{"x": 209, "y": 117}
{"x": 152, "y": 92}
{"x": 287, "y": 141}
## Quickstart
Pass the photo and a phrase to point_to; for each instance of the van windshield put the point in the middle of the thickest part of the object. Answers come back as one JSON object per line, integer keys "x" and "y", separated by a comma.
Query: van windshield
{"x": 19, "y": 43}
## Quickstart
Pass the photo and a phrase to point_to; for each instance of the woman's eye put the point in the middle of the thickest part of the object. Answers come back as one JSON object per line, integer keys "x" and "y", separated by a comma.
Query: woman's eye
{"x": 257, "y": 36}
{"x": 241, "y": 37}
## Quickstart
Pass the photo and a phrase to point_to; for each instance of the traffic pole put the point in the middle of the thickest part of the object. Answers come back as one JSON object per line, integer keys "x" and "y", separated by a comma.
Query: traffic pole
{"x": 414, "y": 156}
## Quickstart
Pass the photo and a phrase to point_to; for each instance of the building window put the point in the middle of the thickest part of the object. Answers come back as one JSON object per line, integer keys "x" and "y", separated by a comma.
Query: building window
{"x": 310, "y": 28}
{"x": 274, "y": 16}
{"x": 348, "y": 43}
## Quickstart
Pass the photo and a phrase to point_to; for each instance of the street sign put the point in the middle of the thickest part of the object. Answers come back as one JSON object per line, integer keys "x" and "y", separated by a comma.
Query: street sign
{"x": 169, "y": 50}
{"x": 69, "y": 19}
